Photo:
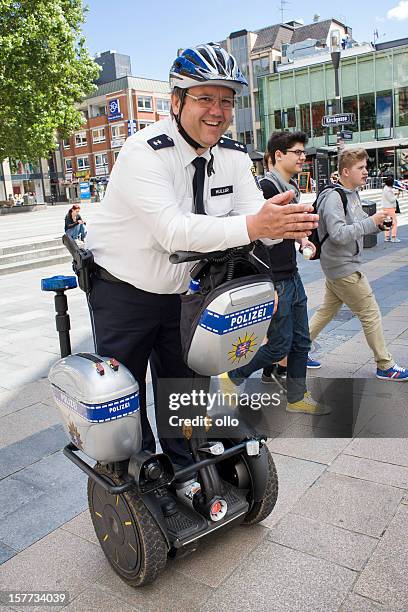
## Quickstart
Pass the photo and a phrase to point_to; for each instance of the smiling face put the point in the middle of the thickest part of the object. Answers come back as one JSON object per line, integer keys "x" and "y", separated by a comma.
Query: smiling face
{"x": 204, "y": 125}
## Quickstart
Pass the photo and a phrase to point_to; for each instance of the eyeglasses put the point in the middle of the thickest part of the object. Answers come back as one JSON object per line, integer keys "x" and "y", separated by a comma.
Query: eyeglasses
{"x": 297, "y": 152}
{"x": 209, "y": 101}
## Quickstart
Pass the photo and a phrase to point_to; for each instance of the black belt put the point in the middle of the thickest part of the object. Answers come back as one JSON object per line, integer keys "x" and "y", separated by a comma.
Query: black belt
{"x": 105, "y": 275}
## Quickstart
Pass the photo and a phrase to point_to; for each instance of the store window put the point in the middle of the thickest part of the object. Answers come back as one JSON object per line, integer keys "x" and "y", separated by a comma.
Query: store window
{"x": 350, "y": 106}
{"x": 318, "y": 110}
{"x": 290, "y": 118}
{"x": 402, "y": 164}
{"x": 304, "y": 115}
{"x": 98, "y": 135}
{"x": 401, "y": 95}
{"x": 82, "y": 163}
{"x": 367, "y": 112}
{"x": 163, "y": 106}
{"x": 278, "y": 120}
{"x": 383, "y": 115}
{"x": 80, "y": 139}
{"x": 386, "y": 161}
{"x": 144, "y": 103}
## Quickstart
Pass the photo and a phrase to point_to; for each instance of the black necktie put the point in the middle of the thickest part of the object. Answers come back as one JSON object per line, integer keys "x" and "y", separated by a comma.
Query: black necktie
{"x": 198, "y": 184}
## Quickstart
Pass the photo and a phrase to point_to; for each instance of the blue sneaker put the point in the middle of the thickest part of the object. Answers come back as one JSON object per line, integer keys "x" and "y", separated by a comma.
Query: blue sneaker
{"x": 395, "y": 373}
{"x": 313, "y": 364}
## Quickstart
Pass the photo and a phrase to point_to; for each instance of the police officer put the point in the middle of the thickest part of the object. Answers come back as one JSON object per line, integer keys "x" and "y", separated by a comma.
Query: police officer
{"x": 178, "y": 184}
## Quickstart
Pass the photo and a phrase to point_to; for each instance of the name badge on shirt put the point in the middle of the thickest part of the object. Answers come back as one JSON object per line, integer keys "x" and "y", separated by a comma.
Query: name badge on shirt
{"x": 219, "y": 191}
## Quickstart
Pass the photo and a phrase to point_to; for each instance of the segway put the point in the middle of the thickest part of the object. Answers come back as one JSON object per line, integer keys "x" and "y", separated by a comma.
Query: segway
{"x": 145, "y": 509}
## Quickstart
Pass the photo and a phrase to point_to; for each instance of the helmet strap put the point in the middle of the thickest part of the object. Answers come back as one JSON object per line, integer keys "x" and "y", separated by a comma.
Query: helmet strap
{"x": 193, "y": 143}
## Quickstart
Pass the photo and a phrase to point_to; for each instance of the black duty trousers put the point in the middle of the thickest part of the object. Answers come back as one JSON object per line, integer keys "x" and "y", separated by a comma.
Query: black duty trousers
{"x": 136, "y": 327}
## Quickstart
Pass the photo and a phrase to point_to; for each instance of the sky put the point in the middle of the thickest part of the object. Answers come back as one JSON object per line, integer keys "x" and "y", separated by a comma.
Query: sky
{"x": 151, "y": 32}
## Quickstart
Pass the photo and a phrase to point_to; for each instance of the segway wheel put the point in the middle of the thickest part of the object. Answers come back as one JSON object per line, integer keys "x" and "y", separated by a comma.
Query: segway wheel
{"x": 260, "y": 510}
{"x": 128, "y": 534}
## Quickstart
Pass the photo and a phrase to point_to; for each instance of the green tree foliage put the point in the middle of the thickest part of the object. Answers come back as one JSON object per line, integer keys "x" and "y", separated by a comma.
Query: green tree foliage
{"x": 45, "y": 70}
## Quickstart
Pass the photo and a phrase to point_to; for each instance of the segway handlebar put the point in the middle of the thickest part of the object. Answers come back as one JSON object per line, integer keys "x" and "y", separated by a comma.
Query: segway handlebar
{"x": 183, "y": 256}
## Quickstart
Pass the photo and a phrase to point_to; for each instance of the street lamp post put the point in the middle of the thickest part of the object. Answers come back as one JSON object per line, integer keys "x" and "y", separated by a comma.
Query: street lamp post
{"x": 335, "y": 50}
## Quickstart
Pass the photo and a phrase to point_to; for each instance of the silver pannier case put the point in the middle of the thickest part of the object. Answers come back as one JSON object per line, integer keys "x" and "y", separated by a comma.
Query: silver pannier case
{"x": 98, "y": 399}
{"x": 230, "y": 325}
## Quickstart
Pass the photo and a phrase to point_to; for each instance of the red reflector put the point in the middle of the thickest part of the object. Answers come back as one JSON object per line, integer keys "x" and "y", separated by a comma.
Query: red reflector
{"x": 114, "y": 364}
{"x": 100, "y": 369}
{"x": 216, "y": 507}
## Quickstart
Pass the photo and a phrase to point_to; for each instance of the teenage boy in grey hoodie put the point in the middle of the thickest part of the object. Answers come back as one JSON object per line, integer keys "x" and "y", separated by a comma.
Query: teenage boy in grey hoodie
{"x": 341, "y": 259}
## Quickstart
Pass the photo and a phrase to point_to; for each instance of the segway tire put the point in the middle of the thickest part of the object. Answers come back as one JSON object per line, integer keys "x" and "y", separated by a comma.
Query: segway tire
{"x": 260, "y": 510}
{"x": 128, "y": 534}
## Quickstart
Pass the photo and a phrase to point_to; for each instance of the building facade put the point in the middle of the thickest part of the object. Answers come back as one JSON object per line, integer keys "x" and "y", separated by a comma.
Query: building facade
{"x": 258, "y": 53}
{"x": 373, "y": 84}
{"x": 43, "y": 178}
{"x": 115, "y": 111}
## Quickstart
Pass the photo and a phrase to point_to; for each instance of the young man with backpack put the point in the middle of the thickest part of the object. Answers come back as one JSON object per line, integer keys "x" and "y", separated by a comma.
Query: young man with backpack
{"x": 288, "y": 333}
{"x": 342, "y": 226}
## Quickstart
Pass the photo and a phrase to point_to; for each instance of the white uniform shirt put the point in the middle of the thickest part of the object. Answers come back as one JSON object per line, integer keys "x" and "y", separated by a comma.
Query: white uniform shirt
{"x": 146, "y": 213}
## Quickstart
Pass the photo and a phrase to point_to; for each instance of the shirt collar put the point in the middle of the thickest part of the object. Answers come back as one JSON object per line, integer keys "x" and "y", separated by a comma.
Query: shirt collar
{"x": 186, "y": 151}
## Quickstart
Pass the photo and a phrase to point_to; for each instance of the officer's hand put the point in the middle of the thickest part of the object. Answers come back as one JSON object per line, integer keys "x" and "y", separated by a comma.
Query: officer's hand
{"x": 277, "y": 219}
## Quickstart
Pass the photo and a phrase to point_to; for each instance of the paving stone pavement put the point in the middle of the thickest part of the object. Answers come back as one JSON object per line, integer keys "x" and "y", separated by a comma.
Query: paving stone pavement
{"x": 337, "y": 538}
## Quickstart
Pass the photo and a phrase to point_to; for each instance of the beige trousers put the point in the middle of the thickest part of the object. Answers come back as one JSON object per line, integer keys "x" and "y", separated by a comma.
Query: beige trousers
{"x": 355, "y": 291}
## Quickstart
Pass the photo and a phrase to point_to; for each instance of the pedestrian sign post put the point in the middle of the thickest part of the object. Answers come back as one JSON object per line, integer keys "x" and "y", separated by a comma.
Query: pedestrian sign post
{"x": 346, "y": 135}
{"x": 340, "y": 119}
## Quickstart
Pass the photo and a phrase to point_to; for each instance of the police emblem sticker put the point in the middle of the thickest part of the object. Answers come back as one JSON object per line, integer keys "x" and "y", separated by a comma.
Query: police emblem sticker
{"x": 75, "y": 435}
{"x": 242, "y": 348}
{"x": 161, "y": 142}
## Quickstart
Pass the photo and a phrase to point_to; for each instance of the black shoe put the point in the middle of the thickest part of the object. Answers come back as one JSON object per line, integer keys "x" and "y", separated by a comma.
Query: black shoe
{"x": 276, "y": 374}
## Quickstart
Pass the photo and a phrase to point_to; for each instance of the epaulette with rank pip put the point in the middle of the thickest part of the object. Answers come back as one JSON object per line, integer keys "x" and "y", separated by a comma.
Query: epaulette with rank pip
{"x": 161, "y": 142}
{"x": 228, "y": 143}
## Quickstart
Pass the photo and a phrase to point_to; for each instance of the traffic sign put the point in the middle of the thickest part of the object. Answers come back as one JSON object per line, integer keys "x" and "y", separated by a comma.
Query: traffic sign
{"x": 340, "y": 119}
